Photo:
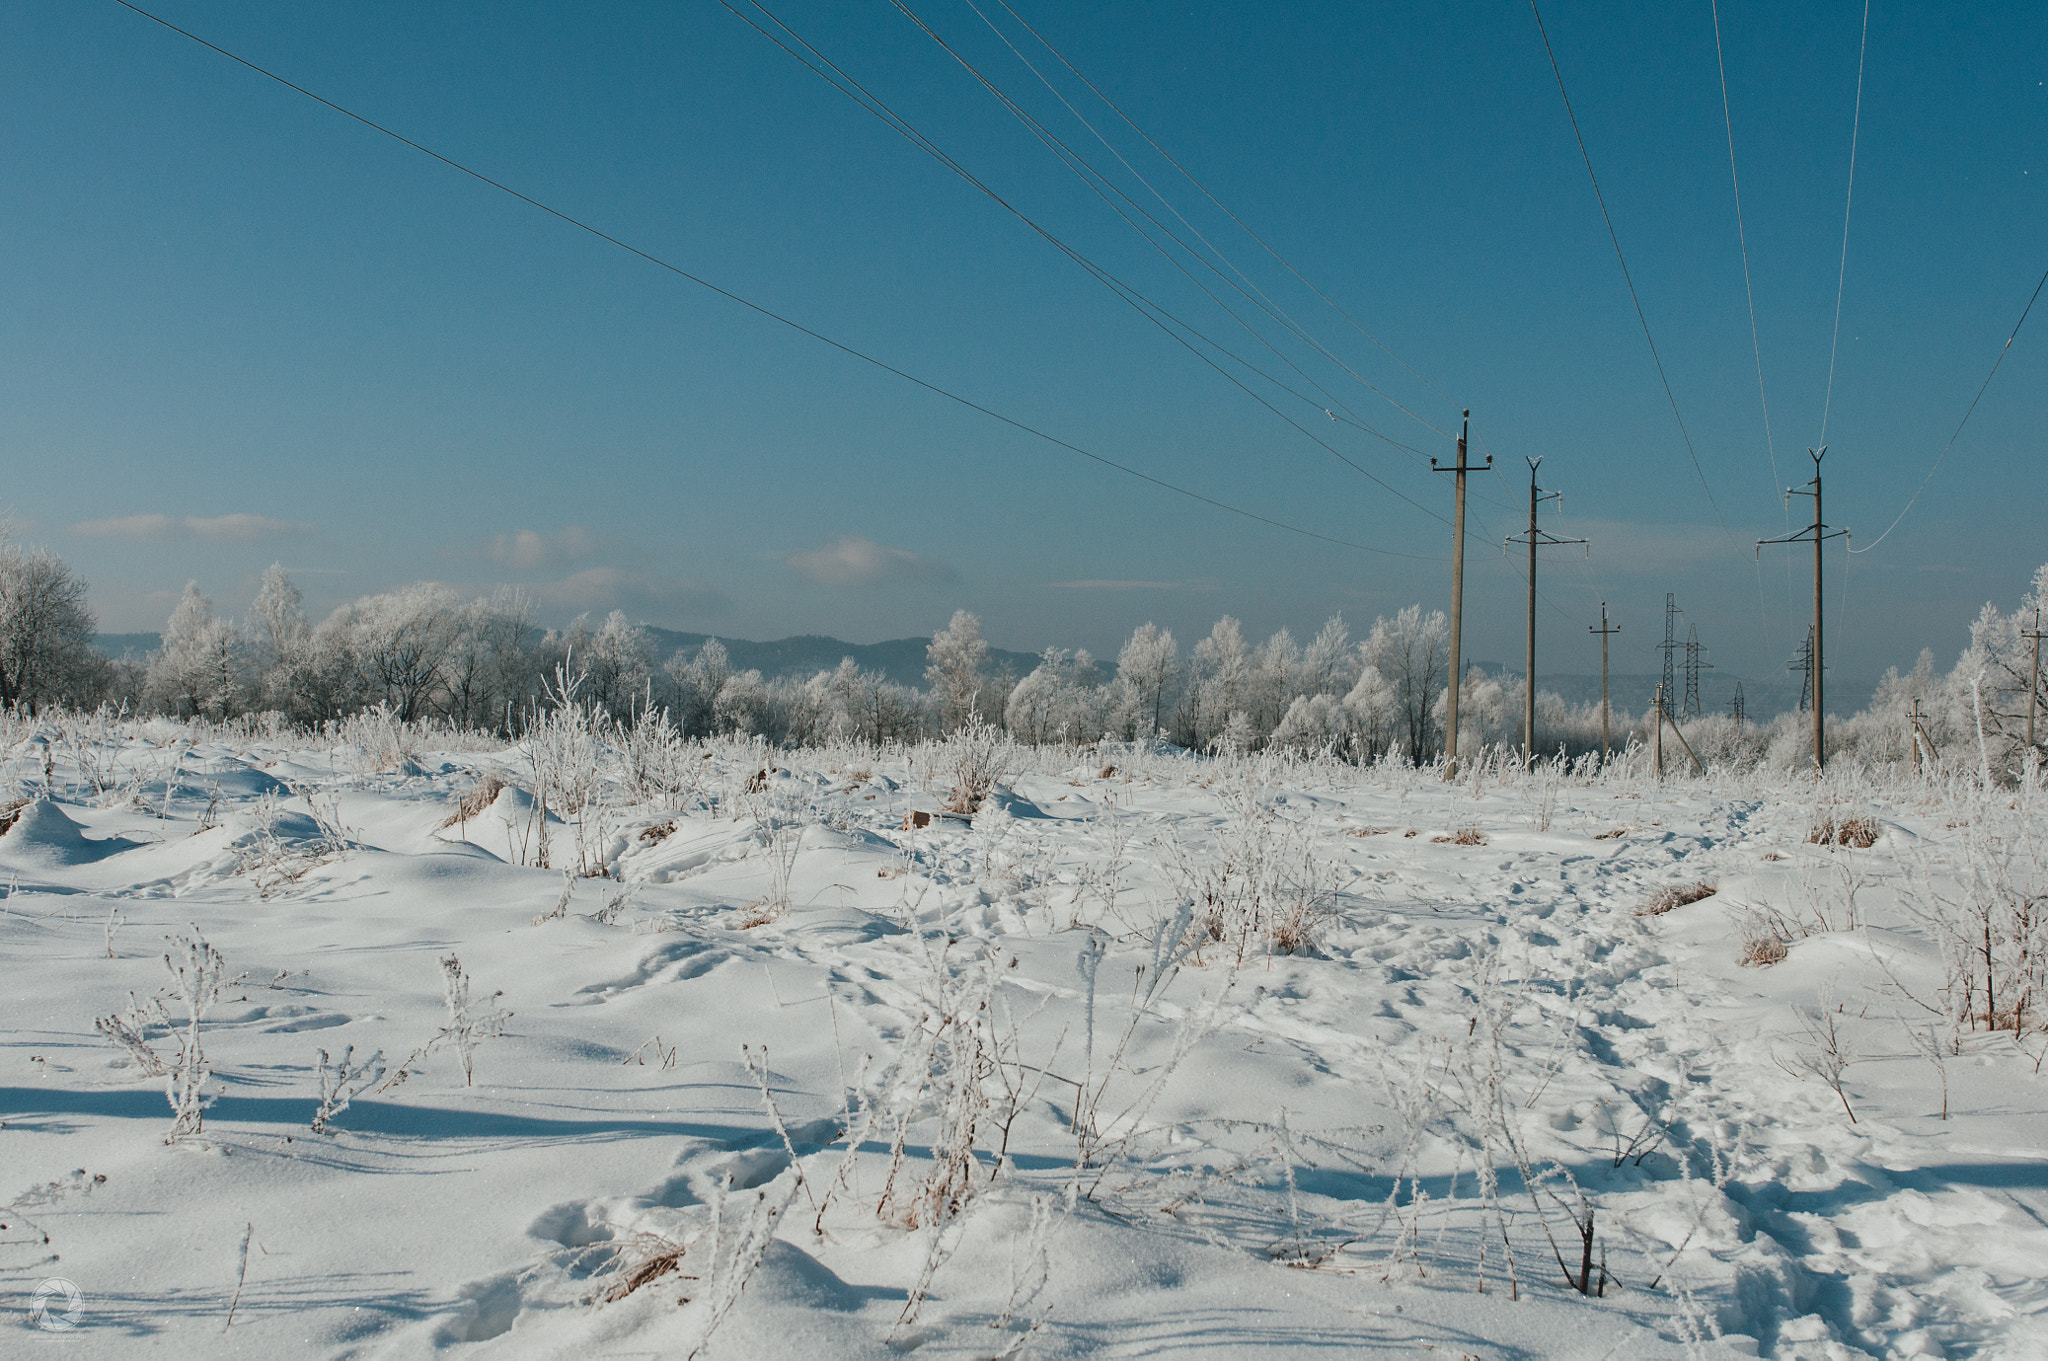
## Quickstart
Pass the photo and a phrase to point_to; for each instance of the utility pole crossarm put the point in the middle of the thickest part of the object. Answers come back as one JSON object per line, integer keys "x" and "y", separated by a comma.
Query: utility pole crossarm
{"x": 1817, "y": 534}
{"x": 1460, "y": 468}
{"x": 1535, "y": 538}
{"x": 1604, "y": 631}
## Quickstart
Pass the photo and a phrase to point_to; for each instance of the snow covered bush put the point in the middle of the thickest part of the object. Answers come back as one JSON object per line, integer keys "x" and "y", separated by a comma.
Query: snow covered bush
{"x": 975, "y": 759}
{"x": 197, "y": 976}
{"x": 1263, "y": 888}
{"x": 343, "y": 1082}
{"x": 470, "y": 1023}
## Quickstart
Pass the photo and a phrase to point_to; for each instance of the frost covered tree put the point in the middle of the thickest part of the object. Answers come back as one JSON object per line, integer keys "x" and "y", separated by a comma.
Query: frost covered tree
{"x": 616, "y": 661}
{"x": 1375, "y": 711}
{"x": 277, "y": 619}
{"x": 1993, "y": 672}
{"x": 280, "y": 643}
{"x": 1147, "y": 676}
{"x": 1220, "y": 682}
{"x": 870, "y": 708}
{"x": 46, "y": 631}
{"x": 1274, "y": 681}
{"x": 956, "y": 658}
{"x": 199, "y": 668}
{"x": 400, "y": 644}
{"x": 1061, "y": 700}
{"x": 494, "y": 665}
{"x": 742, "y": 705}
{"x": 1412, "y": 652}
{"x": 1327, "y": 663}
{"x": 1314, "y": 723}
{"x": 694, "y": 684}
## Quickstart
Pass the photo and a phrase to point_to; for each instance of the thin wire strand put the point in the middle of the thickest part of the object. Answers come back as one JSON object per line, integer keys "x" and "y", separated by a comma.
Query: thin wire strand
{"x": 1742, "y": 236}
{"x": 1242, "y": 224}
{"x": 1628, "y": 279}
{"x": 1166, "y": 321}
{"x": 1249, "y": 290}
{"x": 1842, "y": 274}
{"x": 757, "y": 308}
{"x": 1943, "y": 456}
{"x": 1755, "y": 341}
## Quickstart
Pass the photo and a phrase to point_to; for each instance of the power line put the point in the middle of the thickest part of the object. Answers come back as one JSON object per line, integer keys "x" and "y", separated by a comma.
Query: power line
{"x": 1742, "y": 236}
{"x": 757, "y": 308}
{"x": 1942, "y": 457}
{"x": 1842, "y": 274}
{"x": 1755, "y": 341}
{"x": 1145, "y": 307}
{"x": 1248, "y": 288}
{"x": 1246, "y": 227}
{"x": 1626, "y": 277}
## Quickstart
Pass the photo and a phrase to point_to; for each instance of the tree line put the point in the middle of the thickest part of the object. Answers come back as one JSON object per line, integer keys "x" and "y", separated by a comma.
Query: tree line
{"x": 425, "y": 652}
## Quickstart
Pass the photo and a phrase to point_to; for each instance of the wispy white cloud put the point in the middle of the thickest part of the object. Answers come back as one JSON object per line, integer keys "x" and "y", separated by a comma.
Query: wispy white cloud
{"x": 529, "y": 550}
{"x": 236, "y": 528}
{"x": 851, "y": 560}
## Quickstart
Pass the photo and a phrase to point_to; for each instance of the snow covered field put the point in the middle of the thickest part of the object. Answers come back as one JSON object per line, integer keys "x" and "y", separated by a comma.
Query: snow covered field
{"x": 1048, "y": 1082}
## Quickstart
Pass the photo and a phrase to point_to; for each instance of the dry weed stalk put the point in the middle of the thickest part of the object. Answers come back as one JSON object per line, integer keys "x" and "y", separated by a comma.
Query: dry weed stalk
{"x": 474, "y": 804}
{"x": 1675, "y": 896}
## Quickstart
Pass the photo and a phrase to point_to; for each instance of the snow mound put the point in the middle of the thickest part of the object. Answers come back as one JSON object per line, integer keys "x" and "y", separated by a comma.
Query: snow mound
{"x": 41, "y": 833}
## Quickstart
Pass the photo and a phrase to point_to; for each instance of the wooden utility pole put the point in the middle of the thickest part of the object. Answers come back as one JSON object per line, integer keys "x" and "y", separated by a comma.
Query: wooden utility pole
{"x": 1603, "y": 631}
{"x": 1535, "y": 538}
{"x": 2033, "y": 675}
{"x": 1660, "y": 730}
{"x": 1817, "y": 533}
{"x": 1457, "y": 591}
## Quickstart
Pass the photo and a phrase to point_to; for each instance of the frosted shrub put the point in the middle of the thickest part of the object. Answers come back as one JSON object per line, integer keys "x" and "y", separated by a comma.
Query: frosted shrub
{"x": 660, "y": 764}
{"x": 197, "y": 977}
{"x": 567, "y": 745}
{"x": 383, "y": 741}
{"x": 341, "y": 1083}
{"x": 469, "y": 1024}
{"x": 94, "y": 741}
{"x": 1263, "y": 888}
{"x": 1992, "y": 929}
{"x": 976, "y": 758}
{"x": 783, "y": 820}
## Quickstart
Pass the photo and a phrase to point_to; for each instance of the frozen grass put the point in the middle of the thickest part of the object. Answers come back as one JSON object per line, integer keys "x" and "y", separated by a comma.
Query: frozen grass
{"x": 1129, "y": 1032}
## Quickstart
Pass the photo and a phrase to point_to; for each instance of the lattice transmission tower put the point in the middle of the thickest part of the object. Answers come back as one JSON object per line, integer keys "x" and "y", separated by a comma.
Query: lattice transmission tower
{"x": 1692, "y": 672}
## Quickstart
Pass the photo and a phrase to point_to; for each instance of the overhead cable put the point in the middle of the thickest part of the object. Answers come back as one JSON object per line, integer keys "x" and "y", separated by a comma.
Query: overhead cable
{"x": 1612, "y": 236}
{"x": 1152, "y": 311}
{"x": 1940, "y": 458}
{"x": 1842, "y": 273}
{"x": 757, "y": 308}
{"x": 1223, "y": 207}
{"x": 1248, "y": 289}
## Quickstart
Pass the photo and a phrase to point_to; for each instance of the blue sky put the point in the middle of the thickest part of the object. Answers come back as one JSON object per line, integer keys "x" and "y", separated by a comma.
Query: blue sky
{"x": 237, "y": 328}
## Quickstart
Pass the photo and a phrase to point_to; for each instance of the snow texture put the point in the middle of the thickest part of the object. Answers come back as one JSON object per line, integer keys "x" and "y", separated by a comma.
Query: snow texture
{"x": 1151, "y": 1055}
